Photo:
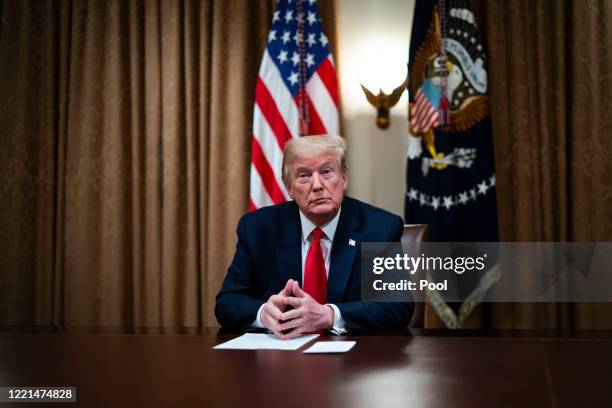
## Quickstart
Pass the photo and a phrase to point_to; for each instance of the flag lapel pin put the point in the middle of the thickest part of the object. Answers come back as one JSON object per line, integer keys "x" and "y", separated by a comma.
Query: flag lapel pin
{"x": 351, "y": 242}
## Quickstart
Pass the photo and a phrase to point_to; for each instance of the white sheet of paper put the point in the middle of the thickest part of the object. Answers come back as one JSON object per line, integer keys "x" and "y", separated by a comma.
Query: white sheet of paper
{"x": 262, "y": 341}
{"x": 330, "y": 347}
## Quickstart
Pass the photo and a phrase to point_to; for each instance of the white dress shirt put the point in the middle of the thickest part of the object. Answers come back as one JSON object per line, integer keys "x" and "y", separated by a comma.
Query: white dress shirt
{"x": 329, "y": 229}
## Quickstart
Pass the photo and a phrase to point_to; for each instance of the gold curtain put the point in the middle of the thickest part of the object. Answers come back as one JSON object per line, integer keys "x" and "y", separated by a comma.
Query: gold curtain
{"x": 124, "y": 155}
{"x": 550, "y": 84}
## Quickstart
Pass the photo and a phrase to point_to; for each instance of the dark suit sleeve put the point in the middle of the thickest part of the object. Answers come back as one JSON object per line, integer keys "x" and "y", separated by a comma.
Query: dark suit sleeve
{"x": 236, "y": 307}
{"x": 373, "y": 316}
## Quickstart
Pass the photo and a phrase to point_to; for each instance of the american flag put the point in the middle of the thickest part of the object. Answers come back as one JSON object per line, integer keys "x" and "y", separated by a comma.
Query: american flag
{"x": 424, "y": 115}
{"x": 296, "y": 94}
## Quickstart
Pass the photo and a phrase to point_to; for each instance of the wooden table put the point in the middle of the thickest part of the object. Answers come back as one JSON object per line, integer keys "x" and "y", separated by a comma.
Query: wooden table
{"x": 178, "y": 368}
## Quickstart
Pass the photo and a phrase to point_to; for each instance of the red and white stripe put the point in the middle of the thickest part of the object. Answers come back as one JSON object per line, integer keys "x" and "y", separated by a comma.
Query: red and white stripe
{"x": 276, "y": 120}
{"x": 424, "y": 115}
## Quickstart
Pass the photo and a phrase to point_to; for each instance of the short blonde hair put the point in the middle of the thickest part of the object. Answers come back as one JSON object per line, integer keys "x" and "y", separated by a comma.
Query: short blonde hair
{"x": 311, "y": 146}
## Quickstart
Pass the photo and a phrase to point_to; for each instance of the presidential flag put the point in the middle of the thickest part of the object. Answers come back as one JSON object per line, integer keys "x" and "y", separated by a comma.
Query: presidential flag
{"x": 450, "y": 169}
{"x": 296, "y": 94}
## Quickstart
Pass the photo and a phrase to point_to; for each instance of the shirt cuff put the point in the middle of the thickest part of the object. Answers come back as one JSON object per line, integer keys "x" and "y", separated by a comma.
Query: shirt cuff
{"x": 339, "y": 326}
{"x": 257, "y": 323}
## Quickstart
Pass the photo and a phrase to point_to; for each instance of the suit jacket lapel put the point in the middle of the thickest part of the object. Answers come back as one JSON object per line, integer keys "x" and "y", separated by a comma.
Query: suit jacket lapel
{"x": 343, "y": 250}
{"x": 289, "y": 245}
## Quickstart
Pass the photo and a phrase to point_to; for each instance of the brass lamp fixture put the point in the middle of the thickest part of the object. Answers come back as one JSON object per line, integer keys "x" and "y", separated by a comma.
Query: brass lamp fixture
{"x": 383, "y": 102}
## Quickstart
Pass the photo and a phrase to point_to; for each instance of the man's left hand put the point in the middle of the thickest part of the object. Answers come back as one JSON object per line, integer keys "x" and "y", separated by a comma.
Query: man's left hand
{"x": 307, "y": 314}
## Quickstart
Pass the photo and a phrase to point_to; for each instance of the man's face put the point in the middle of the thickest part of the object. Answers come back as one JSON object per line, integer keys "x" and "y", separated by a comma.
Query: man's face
{"x": 317, "y": 184}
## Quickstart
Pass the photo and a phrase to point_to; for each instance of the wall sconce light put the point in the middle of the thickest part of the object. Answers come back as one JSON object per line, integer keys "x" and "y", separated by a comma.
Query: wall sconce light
{"x": 384, "y": 102}
{"x": 374, "y": 38}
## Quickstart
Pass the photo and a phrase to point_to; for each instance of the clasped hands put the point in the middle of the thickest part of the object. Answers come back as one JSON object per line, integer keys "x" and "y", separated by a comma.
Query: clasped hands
{"x": 307, "y": 314}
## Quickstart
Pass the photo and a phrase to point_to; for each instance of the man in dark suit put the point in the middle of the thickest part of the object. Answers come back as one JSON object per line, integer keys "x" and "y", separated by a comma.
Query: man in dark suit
{"x": 314, "y": 239}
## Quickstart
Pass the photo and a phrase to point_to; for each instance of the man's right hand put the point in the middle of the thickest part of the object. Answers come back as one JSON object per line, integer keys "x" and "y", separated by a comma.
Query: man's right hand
{"x": 273, "y": 309}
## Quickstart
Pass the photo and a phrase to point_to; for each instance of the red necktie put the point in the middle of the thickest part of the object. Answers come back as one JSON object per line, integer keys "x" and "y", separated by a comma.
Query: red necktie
{"x": 315, "y": 278}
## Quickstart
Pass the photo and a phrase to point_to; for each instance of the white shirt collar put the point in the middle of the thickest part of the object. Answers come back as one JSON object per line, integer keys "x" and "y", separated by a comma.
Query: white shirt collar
{"x": 329, "y": 229}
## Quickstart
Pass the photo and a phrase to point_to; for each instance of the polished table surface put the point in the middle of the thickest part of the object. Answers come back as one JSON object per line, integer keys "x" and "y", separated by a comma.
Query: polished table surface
{"x": 417, "y": 368}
